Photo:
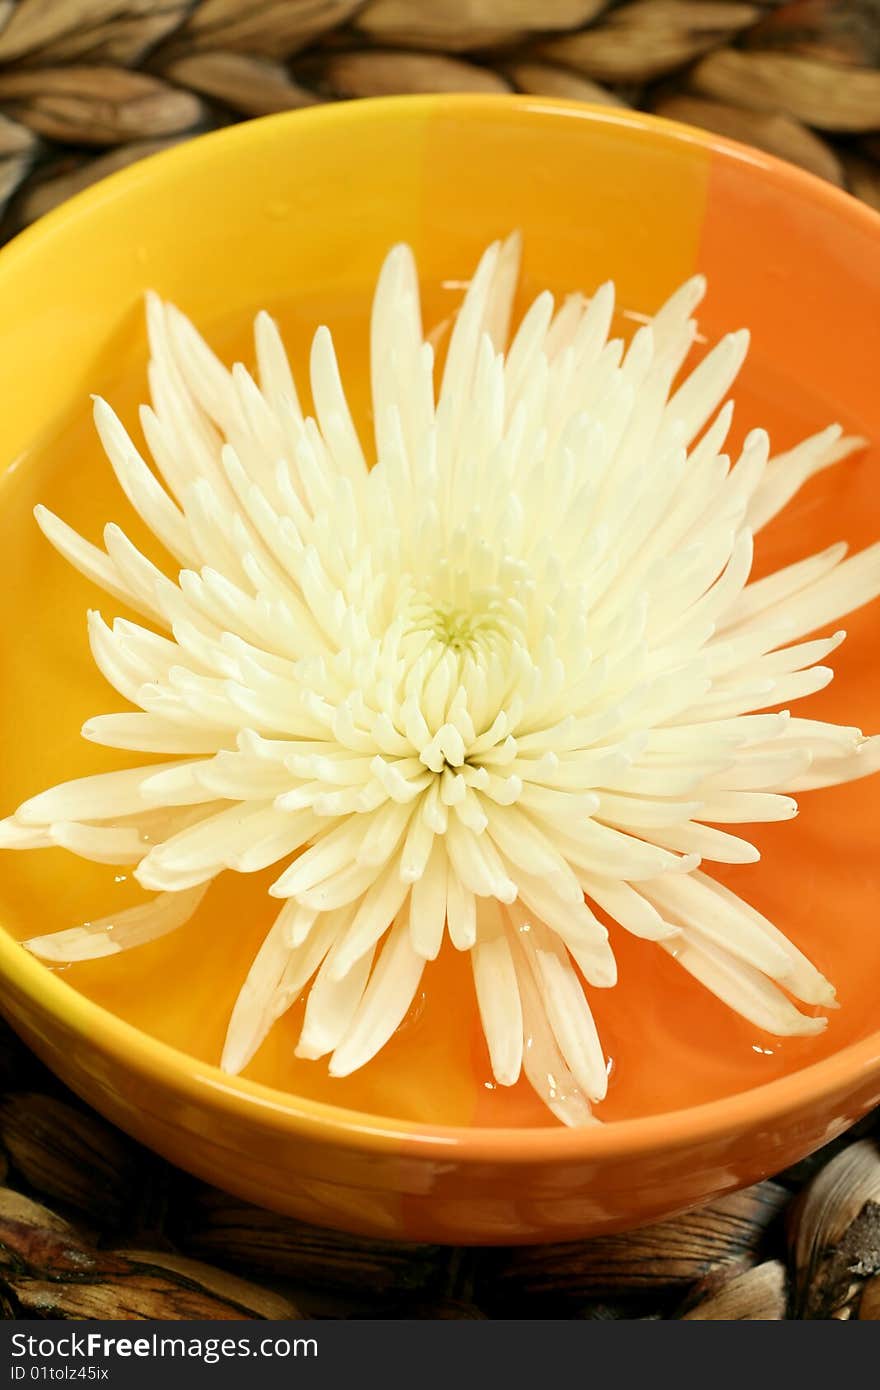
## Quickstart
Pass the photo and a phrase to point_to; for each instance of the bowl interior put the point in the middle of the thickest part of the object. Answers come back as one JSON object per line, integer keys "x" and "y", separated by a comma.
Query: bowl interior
{"x": 295, "y": 214}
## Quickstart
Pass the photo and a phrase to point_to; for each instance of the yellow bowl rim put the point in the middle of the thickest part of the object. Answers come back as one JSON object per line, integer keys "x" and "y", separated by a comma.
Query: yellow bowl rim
{"x": 850, "y": 1068}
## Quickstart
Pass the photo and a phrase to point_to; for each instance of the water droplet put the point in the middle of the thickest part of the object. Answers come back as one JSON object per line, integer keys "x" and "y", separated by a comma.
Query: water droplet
{"x": 415, "y": 1012}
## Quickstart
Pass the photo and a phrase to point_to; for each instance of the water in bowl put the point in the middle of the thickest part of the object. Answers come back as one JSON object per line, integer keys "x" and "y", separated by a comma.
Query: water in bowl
{"x": 670, "y": 1044}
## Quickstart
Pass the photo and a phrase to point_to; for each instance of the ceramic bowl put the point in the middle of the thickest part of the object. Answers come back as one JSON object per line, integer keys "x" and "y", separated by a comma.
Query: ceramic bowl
{"x": 314, "y": 198}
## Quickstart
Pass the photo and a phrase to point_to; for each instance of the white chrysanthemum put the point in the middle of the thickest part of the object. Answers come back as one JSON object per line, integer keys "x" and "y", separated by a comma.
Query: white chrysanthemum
{"x": 511, "y": 674}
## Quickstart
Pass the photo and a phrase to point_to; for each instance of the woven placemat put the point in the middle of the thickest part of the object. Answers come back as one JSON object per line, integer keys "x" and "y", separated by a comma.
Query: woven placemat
{"x": 87, "y": 86}
{"x": 93, "y": 1226}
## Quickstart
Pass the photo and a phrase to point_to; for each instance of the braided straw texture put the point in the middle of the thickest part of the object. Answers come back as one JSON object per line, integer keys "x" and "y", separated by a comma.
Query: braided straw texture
{"x": 91, "y": 1226}
{"x": 87, "y": 86}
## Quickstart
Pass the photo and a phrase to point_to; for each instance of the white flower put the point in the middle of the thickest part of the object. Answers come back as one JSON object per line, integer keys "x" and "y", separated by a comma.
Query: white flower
{"x": 510, "y": 675}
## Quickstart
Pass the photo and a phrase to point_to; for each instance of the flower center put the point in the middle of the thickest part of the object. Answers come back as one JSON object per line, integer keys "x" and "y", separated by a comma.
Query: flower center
{"x": 470, "y": 626}
{"x": 459, "y": 629}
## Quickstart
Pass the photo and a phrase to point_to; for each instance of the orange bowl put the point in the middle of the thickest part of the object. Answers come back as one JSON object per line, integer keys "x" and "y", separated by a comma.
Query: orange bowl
{"x": 226, "y": 223}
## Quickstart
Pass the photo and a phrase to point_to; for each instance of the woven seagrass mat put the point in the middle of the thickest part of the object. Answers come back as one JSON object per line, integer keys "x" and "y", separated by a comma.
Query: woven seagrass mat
{"x": 88, "y": 86}
{"x": 93, "y": 1226}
